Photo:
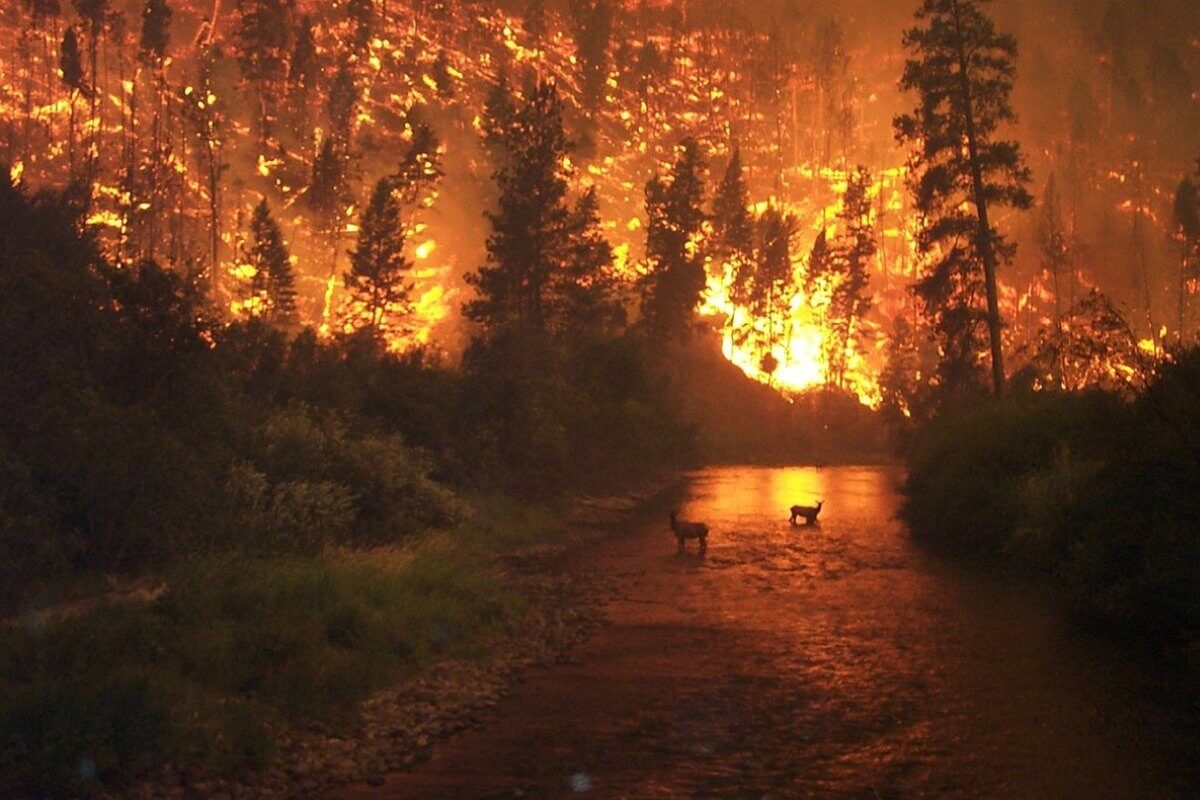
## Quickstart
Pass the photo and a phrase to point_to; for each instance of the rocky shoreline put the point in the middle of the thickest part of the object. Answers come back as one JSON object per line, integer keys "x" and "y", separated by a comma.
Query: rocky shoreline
{"x": 400, "y": 726}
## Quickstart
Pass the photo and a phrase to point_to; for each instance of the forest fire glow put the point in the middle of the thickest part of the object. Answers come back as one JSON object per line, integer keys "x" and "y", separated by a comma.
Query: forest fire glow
{"x": 241, "y": 141}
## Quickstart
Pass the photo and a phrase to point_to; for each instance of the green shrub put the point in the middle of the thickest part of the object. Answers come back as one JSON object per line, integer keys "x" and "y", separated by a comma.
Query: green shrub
{"x": 308, "y": 517}
{"x": 1044, "y": 503}
{"x": 395, "y": 495}
{"x": 967, "y": 474}
{"x": 312, "y": 483}
{"x": 236, "y": 647}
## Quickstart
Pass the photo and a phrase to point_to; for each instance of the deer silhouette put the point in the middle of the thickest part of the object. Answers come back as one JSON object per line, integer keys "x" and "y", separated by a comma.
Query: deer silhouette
{"x": 809, "y": 513}
{"x": 689, "y": 530}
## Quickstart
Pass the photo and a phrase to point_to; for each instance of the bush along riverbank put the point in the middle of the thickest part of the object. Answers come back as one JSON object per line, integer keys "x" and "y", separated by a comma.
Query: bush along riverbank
{"x": 215, "y": 531}
{"x": 1095, "y": 491}
{"x": 283, "y": 677}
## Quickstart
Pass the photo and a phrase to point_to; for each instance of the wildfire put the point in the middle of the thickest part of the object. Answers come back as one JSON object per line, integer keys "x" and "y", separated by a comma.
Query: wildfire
{"x": 424, "y": 65}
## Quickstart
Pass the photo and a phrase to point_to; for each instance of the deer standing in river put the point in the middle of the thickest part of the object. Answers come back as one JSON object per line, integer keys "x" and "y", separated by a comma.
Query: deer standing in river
{"x": 689, "y": 530}
{"x": 809, "y": 513}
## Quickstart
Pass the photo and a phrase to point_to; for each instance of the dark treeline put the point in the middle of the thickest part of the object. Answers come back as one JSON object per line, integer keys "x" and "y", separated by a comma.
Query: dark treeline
{"x": 137, "y": 427}
{"x": 1080, "y": 464}
{"x": 1095, "y": 490}
{"x": 254, "y": 470}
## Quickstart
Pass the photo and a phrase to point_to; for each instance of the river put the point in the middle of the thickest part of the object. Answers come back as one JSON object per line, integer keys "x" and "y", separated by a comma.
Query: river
{"x": 834, "y": 661}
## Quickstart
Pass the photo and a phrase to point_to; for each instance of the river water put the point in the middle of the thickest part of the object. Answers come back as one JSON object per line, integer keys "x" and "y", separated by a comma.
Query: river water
{"x": 837, "y": 661}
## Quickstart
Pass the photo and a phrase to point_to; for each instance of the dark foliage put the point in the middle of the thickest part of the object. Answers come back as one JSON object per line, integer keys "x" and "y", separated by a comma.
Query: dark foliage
{"x": 134, "y": 431}
{"x": 378, "y": 276}
{"x": 156, "y": 30}
{"x": 963, "y": 69}
{"x": 1094, "y": 490}
{"x": 274, "y": 281}
{"x": 672, "y": 287}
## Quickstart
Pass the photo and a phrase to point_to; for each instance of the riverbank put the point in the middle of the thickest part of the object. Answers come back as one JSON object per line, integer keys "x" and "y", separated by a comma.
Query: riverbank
{"x": 275, "y": 678}
{"x": 1094, "y": 493}
{"x": 836, "y": 661}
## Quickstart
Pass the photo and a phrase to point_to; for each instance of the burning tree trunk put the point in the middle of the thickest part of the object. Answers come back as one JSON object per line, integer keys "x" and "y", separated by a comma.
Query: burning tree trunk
{"x": 1187, "y": 226}
{"x": 93, "y": 13}
{"x": 202, "y": 106}
{"x": 155, "y": 36}
{"x": 72, "y": 74}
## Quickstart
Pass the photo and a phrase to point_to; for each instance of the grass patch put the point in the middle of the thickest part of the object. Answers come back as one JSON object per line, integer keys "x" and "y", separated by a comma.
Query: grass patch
{"x": 236, "y": 648}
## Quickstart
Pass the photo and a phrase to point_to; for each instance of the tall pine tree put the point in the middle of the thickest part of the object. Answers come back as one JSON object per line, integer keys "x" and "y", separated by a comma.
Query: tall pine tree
{"x": 585, "y": 304}
{"x": 772, "y": 286}
{"x": 962, "y": 68}
{"x": 419, "y": 169}
{"x": 71, "y": 65}
{"x": 852, "y": 253}
{"x": 304, "y": 67}
{"x": 593, "y": 34}
{"x": 274, "y": 283}
{"x": 530, "y": 236}
{"x": 378, "y": 278}
{"x": 675, "y": 280}
{"x": 1187, "y": 231}
{"x": 339, "y": 106}
{"x": 326, "y": 195}
{"x": 733, "y": 229}
{"x": 262, "y": 40}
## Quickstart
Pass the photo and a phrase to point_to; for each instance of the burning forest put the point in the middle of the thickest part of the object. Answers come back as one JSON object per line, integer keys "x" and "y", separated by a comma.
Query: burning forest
{"x": 341, "y": 309}
{"x": 192, "y": 124}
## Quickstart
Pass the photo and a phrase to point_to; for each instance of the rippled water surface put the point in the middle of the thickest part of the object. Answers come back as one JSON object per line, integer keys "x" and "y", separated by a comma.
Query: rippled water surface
{"x": 837, "y": 661}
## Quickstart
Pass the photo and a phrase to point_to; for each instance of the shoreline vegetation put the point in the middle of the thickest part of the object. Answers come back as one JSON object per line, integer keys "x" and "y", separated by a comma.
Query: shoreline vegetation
{"x": 294, "y": 523}
{"x": 273, "y": 676}
{"x": 1094, "y": 493}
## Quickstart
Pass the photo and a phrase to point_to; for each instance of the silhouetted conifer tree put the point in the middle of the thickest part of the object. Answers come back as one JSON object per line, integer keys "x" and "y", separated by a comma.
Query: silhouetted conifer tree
{"x": 379, "y": 269}
{"x": 733, "y": 228}
{"x": 772, "y": 285}
{"x": 530, "y": 235}
{"x": 674, "y": 284}
{"x": 156, "y": 31}
{"x": 593, "y": 33}
{"x": 274, "y": 281}
{"x": 498, "y": 120}
{"x": 443, "y": 75}
{"x": 304, "y": 67}
{"x": 585, "y": 301}
{"x": 962, "y": 68}
{"x": 71, "y": 65}
{"x": 850, "y": 301}
{"x": 326, "y": 193}
{"x": 339, "y": 106}
{"x": 262, "y": 41}
{"x": 420, "y": 168}
{"x": 1187, "y": 228}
